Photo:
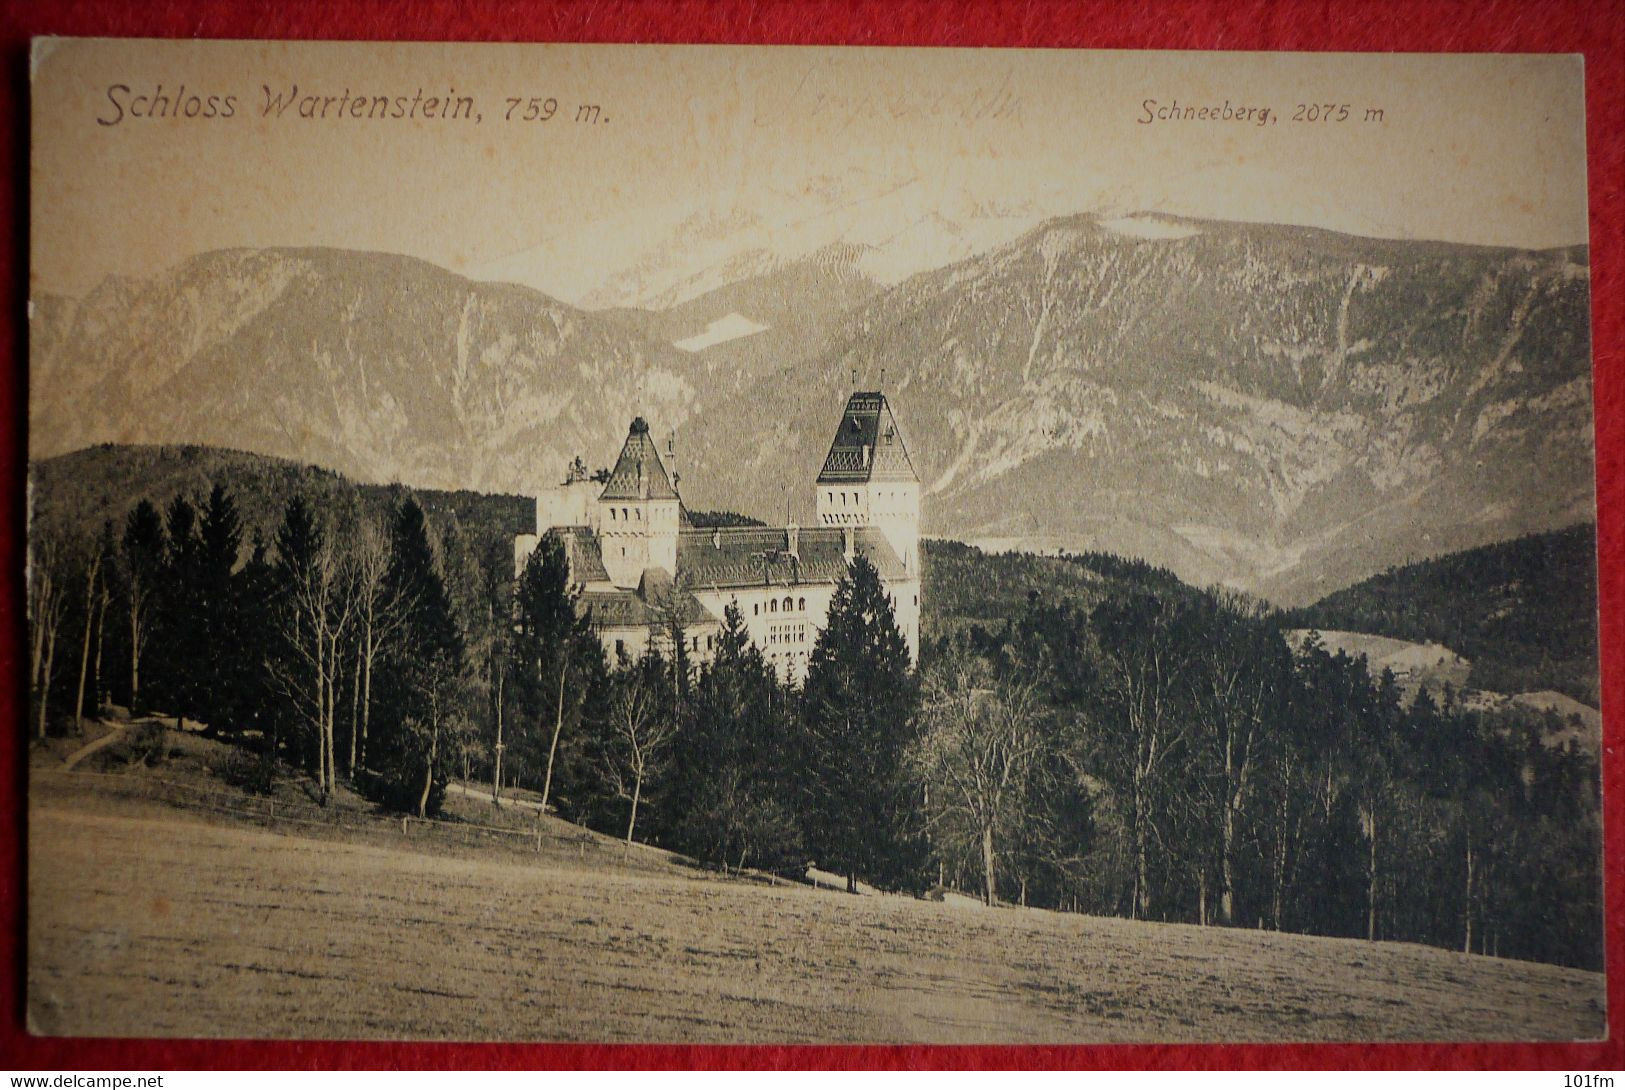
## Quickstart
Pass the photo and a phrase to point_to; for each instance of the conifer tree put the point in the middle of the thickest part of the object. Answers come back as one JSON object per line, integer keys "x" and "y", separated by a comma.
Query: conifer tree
{"x": 219, "y": 665}
{"x": 141, "y": 559}
{"x": 856, "y": 725}
{"x": 732, "y": 770}
{"x": 556, "y": 659}
{"x": 421, "y": 710}
{"x": 181, "y": 639}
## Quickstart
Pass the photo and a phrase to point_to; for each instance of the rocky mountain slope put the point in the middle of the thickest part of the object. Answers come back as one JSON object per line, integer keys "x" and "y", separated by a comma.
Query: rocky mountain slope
{"x": 1282, "y": 408}
{"x": 383, "y": 368}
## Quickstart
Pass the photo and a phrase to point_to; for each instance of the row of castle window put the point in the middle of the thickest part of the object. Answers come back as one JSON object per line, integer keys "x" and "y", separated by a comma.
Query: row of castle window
{"x": 630, "y": 514}
{"x": 789, "y": 658}
{"x": 786, "y": 633}
{"x": 857, "y": 497}
{"x": 694, "y": 645}
{"x": 773, "y": 606}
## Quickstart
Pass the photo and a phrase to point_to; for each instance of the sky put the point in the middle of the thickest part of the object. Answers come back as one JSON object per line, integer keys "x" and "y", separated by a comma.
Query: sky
{"x": 691, "y": 150}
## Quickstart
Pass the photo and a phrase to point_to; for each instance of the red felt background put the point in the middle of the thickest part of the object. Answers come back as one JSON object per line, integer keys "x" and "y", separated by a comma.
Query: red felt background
{"x": 1569, "y": 26}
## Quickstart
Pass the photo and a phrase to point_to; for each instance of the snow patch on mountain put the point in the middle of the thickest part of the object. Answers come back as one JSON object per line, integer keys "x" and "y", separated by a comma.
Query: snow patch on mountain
{"x": 729, "y": 327}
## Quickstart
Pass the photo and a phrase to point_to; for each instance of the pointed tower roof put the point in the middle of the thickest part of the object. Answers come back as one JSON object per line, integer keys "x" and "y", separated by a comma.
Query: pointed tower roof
{"x": 638, "y": 472}
{"x": 868, "y": 446}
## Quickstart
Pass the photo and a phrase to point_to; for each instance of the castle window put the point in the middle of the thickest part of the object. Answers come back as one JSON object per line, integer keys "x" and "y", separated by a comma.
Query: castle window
{"x": 612, "y": 514}
{"x": 620, "y": 648}
{"x": 789, "y": 604}
{"x": 637, "y": 513}
{"x": 755, "y": 609}
{"x": 773, "y": 606}
{"x": 801, "y": 603}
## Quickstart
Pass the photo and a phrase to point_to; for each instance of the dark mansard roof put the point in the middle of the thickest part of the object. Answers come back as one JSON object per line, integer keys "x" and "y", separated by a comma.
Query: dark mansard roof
{"x": 740, "y": 557}
{"x": 868, "y": 446}
{"x": 638, "y": 472}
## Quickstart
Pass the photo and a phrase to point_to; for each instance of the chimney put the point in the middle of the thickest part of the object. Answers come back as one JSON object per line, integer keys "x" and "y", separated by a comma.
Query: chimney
{"x": 792, "y": 534}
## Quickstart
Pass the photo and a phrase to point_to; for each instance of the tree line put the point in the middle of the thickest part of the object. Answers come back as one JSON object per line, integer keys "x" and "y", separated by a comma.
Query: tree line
{"x": 1161, "y": 753}
{"x": 1171, "y": 756}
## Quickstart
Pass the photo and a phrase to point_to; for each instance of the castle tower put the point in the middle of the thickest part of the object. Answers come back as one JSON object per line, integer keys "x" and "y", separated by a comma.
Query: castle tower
{"x": 868, "y": 479}
{"x": 638, "y": 512}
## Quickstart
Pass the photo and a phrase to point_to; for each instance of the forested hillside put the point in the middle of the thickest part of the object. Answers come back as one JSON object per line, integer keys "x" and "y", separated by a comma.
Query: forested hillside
{"x": 1523, "y": 611}
{"x": 82, "y": 490}
{"x": 964, "y": 587}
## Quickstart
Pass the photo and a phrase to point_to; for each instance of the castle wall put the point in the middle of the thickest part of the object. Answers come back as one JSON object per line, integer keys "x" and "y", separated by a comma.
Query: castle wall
{"x": 636, "y": 535}
{"x": 892, "y": 507}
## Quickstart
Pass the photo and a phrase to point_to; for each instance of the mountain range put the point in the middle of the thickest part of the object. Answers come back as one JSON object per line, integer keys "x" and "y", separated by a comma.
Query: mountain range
{"x": 1285, "y": 409}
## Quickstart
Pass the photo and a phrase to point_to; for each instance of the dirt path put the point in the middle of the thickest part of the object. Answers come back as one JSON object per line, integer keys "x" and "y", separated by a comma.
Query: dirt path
{"x": 166, "y": 926}
{"x": 484, "y": 795}
{"x": 115, "y": 731}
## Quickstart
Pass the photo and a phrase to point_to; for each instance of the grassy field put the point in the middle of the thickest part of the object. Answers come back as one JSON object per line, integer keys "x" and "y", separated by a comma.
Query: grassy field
{"x": 146, "y": 920}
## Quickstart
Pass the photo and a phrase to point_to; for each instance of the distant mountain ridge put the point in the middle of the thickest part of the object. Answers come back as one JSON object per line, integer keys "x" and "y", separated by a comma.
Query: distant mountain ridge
{"x": 1285, "y": 409}
{"x": 381, "y": 367}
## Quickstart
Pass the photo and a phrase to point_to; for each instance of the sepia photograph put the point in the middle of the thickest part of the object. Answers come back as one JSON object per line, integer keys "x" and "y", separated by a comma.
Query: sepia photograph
{"x": 766, "y": 544}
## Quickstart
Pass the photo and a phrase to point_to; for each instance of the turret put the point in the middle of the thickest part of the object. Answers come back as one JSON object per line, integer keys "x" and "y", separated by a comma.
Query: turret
{"x": 638, "y": 512}
{"x": 869, "y": 480}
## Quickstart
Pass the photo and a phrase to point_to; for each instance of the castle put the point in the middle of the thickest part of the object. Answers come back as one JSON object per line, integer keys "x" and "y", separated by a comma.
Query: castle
{"x": 637, "y": 561}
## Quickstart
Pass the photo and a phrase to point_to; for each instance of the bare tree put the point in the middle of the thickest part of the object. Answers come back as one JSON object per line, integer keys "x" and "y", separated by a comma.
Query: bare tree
{"x": 104, "y": 600}
{"x": 1143, "y": 657}
{"x": 641, "y": 736}
{"x": 93, "y": 580}
{"x": 318, "y": 608}
{"x": 499, "y": 679}
{"x": 1244, "y": 681}
{"x": 379, "y": 615}
{"x": 139, "y": 559}
{"x": 444, "y": 726}
{"x": 47, "y": 604}
{"x": 979, "y": 744}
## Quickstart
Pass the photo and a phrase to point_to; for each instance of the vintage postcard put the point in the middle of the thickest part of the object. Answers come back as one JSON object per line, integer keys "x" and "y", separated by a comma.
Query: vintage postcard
{"x": 712, "y": 544}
